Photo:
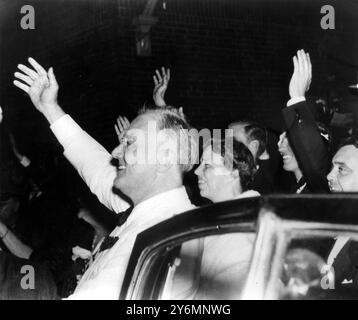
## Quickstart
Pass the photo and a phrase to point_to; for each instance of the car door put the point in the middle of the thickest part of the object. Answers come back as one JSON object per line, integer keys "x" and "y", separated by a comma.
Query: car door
{"x": 201, "y": 254}
{"x": 308, "y": 249}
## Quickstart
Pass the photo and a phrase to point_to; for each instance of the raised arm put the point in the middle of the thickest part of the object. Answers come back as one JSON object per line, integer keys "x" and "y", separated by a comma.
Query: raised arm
{"x": 13, "y": 243}
{"x": 161, "y": 81}
{"x": 89, "y": 158}
{"x": 304, "y": 135}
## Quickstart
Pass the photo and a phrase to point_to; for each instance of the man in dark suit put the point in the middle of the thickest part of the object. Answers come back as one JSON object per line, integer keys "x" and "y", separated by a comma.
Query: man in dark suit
{"x": 255, "y": 137}
{"x": 305, "y": 139}
{"x": 304, "y": 145}
{"x": 311, "y": 152}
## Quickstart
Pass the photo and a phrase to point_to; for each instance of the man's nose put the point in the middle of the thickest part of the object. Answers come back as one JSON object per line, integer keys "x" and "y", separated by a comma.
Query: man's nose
{"x": 330, "y": 176}
{"x": 118, "y": 152}
{"x": 198, "y": 170}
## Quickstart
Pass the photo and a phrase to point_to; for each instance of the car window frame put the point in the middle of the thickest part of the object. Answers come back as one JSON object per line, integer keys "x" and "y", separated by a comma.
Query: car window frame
{"x": 205, "y": 221}
{"x": 295, "y": 229}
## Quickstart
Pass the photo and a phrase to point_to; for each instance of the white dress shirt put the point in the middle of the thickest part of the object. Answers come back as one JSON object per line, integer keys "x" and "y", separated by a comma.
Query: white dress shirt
{"x": 103, "y": 279}
{"x": 91, "y": 160}
{"x": 337, "y": 247}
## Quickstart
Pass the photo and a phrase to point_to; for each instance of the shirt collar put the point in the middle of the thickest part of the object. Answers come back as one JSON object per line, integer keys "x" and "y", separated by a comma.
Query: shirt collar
{"x": 162, "y": 206}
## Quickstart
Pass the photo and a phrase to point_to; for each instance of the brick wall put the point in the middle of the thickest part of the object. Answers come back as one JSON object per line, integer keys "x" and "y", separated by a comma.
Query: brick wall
{"x": 229, "y": 59}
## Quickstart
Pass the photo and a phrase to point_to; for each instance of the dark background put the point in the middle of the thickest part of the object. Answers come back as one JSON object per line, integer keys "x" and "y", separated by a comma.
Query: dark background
{"x": 229, "y": 59}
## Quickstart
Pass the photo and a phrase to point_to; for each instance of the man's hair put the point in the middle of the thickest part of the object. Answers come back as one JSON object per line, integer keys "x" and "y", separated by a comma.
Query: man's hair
{"x": 254, "y": 131}
{"x": 171, "y": 118}
{"x": 241, "y": 159}
{"x": 351, "y": 141}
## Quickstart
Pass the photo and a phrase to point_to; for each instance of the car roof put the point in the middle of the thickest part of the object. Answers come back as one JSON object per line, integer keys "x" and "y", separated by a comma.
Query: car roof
{"x": 329, "y": 208}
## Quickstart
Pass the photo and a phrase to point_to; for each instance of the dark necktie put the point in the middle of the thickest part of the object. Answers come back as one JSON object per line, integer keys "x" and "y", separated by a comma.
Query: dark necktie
{"x": 123, "y": 216}
{"x": 109, "y": 241}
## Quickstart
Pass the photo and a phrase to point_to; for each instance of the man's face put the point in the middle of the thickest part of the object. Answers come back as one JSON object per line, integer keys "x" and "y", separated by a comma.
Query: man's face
{"x": 135, "y": 175}
{"x": 213, "y": 176}
{"x": 344, "y": 174}
{"x": 288, "y": 157}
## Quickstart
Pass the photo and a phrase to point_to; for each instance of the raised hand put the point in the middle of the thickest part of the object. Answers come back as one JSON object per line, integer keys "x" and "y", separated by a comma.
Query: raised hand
{"x": 42, "y": 88}
{"x": 302, "y": 75}
{"x": 121, "y": 127}
{"x": 161, "y": 82}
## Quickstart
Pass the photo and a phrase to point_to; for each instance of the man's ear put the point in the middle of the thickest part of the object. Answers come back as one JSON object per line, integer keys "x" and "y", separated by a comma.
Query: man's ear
{"x": 254, "y": 147}
{"x": 166, "y": 156}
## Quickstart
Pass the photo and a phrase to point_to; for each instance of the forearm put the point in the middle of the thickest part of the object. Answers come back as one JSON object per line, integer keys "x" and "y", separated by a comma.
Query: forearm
{"x": 53, "y": 112}
{"x": 91, "y": 160}
{"x": 14, "y": 244}
{"x": 160, "y": 103}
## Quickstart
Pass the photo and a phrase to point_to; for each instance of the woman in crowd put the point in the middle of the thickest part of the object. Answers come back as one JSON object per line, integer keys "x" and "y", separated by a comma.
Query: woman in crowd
{"x": 226, "y": 174}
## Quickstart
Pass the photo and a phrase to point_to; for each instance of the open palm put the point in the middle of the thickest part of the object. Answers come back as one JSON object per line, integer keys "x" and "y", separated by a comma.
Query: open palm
{"x": 41, "y": 86}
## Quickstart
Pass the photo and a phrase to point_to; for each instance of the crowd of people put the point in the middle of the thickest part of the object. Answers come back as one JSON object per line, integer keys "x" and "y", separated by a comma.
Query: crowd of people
{"x": 143, "y": 179}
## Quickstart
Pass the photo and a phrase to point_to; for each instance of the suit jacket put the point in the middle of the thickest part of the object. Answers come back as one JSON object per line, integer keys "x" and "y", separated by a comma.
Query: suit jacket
{"x": 308, "y": 145}
{"x": 345, "y": 268}
{"x": 264, "y": 181}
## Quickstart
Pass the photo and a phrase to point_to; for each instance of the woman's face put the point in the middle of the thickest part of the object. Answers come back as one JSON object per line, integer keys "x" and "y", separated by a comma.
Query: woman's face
{"x": 288, "y": 156}
{"x": 214, "y": 179}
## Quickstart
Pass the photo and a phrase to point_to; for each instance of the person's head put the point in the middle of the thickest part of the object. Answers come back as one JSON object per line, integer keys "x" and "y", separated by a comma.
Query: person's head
{"x": 253, "y": 136}
{"x": 344, "y": 174}
{"x": 288, "y": 156}
{"x": 290, "y": 162}
{"x": 224, "y": 174}
{"x": 154, "y": 154}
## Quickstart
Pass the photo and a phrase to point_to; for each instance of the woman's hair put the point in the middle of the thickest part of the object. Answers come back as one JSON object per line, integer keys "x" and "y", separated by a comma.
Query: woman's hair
{"x": 238, "y": 157}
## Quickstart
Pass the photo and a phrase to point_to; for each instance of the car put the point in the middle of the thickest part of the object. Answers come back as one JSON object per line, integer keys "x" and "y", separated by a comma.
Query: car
{"x": 270, "y": 247}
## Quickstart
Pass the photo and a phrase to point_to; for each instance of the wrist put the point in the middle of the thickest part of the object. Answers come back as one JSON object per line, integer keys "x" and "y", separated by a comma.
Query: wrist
{"x": 53, "y": 112}
{"x": 160, "y": 103}
{"x": 3, "y": 231}
{"x": 295, "y": 99}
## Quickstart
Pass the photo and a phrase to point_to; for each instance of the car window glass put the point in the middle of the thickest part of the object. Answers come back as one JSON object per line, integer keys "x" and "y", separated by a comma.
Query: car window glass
{"x": 213, "y": 267}
{"x": 320, "y": 268}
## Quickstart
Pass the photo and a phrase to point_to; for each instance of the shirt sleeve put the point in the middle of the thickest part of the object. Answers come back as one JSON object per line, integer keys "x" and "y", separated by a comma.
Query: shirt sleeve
{"x": 295, "y": 100}
{"x": 91, "y": 160}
